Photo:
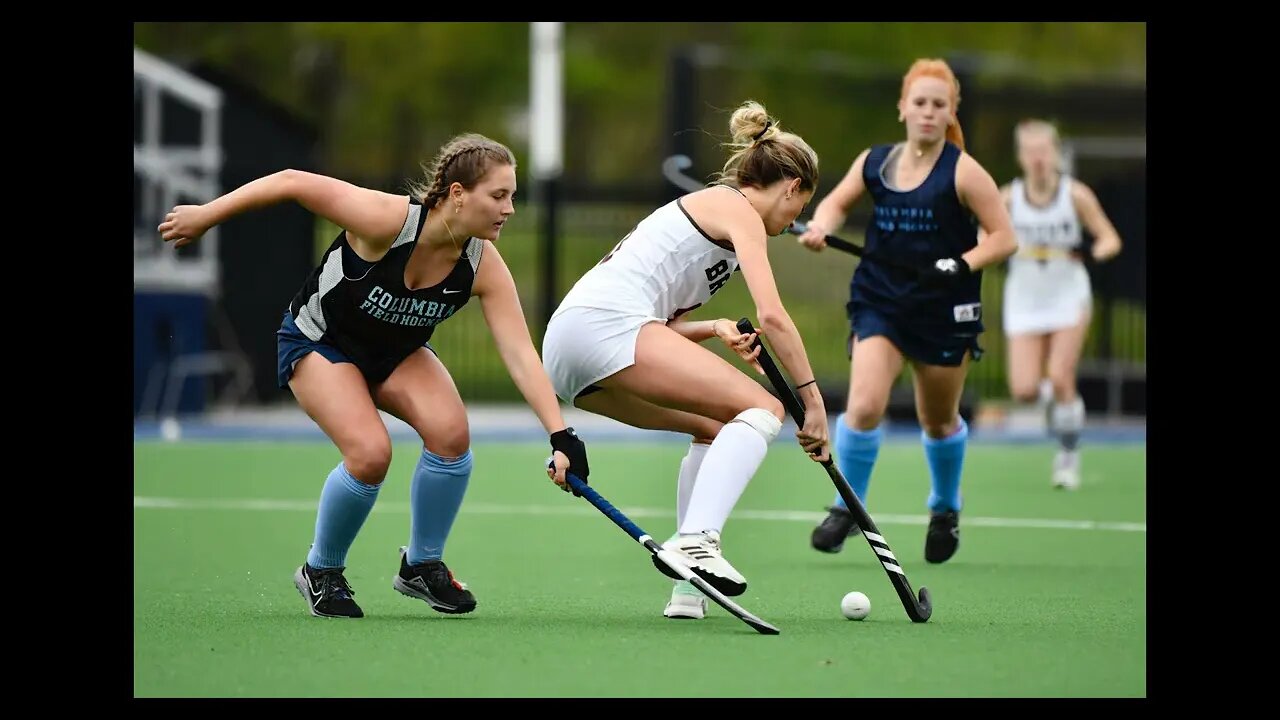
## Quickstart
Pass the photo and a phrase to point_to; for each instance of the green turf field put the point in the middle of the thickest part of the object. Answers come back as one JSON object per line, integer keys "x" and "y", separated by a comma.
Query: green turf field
{"x": 1044, "y": 598}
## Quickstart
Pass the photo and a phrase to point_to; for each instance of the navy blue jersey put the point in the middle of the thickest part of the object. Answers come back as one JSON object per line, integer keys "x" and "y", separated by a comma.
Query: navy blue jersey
{"x": 918, "y": 227}
{"x": 365, "y": 310}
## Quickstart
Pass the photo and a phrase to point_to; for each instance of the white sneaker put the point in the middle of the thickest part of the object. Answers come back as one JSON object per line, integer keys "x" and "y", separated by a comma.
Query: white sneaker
{"x": 701, "y": 553}
{"x": 1066, "y": 469}
{"x": 686, "y": 602}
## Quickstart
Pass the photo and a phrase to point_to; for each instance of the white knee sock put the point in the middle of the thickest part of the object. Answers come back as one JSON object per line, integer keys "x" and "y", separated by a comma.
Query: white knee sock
{"x": 731, "y": 461}
{"x": 688, "y": 475}
{"x": 1067, "y": 420}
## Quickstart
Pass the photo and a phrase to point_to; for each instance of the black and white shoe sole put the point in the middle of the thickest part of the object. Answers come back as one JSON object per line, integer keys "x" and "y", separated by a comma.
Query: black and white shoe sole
{"x": 424, "y": 595}
{"x": 726, "y": 586}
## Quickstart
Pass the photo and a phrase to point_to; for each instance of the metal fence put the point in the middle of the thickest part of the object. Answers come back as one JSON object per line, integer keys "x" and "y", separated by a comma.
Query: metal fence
{"x": 814, "y": 288}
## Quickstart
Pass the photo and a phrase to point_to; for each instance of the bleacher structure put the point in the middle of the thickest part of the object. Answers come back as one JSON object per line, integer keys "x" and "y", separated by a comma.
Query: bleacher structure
{"x": 169, "y": 172}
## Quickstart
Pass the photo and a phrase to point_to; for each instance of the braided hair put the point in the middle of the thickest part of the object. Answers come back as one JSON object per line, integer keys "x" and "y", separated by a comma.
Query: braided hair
{"x": 464, "y": 160}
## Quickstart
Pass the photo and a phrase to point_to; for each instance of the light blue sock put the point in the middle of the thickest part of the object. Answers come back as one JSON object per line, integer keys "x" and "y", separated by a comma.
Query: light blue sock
{"x": 345, "y": 502}
{"x": 434, "y": 498}
{"x": 856, "y": 452}
{"x": 946, "y": 460}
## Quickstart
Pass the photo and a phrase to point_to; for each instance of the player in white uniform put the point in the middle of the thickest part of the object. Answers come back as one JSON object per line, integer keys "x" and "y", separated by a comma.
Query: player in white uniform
{"x": 1047, "y": 297}
{"x": 618, "y": 345}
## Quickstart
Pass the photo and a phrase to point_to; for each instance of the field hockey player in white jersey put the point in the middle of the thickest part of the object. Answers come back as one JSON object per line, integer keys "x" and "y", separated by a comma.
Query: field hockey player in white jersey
{"x": 1047, "y": 295}
{"x": 619, "y": 346}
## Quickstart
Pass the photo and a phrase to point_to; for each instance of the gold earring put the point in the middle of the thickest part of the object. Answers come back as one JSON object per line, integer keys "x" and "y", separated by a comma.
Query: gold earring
{"x": 457, "y": 208}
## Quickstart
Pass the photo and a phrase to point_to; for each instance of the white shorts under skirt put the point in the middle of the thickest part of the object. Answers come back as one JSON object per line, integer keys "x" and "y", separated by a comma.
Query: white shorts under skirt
{"x": 583, "y": 345}
{"x": 1045, "y": 298}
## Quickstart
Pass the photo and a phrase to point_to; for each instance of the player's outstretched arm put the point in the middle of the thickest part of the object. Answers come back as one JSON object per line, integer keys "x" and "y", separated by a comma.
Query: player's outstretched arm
{"x": 500, "y": 302}
{"x": 371, "y": 215}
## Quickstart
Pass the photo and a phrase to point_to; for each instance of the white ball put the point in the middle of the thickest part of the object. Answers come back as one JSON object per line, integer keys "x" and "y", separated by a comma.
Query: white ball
{"x": 855, "y": 605}
{"x": 170, "y": 430}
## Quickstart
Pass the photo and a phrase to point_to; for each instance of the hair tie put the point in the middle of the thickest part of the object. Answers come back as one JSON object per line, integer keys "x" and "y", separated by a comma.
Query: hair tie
{"x": 767, "y": 125}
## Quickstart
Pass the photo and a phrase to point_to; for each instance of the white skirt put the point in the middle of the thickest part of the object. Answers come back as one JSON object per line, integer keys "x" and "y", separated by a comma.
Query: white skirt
{"x": 583, "y": 345}
{"x": 1042, "y": 298}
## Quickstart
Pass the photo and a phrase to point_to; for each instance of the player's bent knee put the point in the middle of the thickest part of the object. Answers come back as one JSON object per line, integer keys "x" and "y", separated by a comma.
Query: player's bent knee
{"x": 866, "y": 412}
{"x": 1024, "y": 392}
{"x": 940, "y": 429}
{"x": 773, "y": 405}
{"x": 449, "y": 445}
{"x": 1025, "y": 395}
{"x": 369, "y": 460}
{"x": 762, "y": 421}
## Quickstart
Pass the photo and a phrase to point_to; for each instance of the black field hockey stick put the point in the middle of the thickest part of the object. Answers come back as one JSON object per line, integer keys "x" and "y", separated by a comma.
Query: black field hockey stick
{"x": 666, "y": 557}
{"x": 800, "y": 228}
{"x": 918, "y": 609}
{"x": 673, "y": 170}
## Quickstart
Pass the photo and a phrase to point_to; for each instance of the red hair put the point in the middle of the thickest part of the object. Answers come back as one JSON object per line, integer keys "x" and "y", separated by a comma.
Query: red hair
{"x": 926, "y": 67}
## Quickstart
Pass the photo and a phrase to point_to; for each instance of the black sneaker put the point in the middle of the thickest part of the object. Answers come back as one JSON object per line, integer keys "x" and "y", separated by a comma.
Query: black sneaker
{"x": 943, "y": 537}
{"x": 433, "y": 582}
{"x": 327, "y": 592}
{"x": 830, "y": 534}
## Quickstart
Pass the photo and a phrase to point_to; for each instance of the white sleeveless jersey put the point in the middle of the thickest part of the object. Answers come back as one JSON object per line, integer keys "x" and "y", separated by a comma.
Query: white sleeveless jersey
{"x": 1044, "y": 231}
{"x": 1047, "y": 289}
{"x": 663, "y": 268}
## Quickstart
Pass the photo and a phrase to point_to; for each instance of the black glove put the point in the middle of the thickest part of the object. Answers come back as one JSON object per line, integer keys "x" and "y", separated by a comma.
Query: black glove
{"x": 944, "y": 270}
{"x": 567, "y": 442}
